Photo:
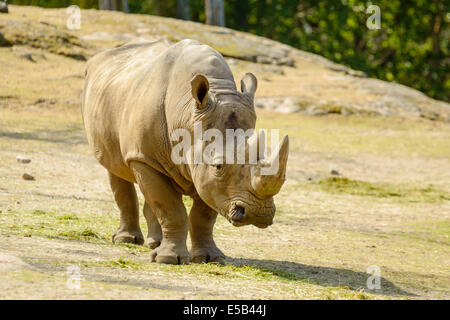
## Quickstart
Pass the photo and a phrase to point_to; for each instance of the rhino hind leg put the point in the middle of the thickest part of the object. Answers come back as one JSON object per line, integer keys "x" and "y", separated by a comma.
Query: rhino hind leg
{"x": 154, "y": 235}
{"x": 167, "y": 205}
{"x": 129, "y": 230}
{"x": 201, "y": 223}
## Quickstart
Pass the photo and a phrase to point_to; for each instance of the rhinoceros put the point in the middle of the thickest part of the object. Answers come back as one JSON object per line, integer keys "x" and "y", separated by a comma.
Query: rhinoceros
{"x": 134, "y": 97}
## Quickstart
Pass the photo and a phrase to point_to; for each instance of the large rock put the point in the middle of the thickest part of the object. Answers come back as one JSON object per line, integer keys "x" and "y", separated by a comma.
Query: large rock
{"x": 43, "y": 36}
{"x": 291, "y": 80}
{"x": 3, "y": 7}
{"x": 230, "y": 43}
{"x": 391, "y": 100}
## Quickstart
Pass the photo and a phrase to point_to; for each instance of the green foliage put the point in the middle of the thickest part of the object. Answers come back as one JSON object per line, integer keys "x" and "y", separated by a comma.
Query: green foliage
{"x": 166, "y": 8}
{"x": 412, "y": 46}
{"x": 56, "y": 3}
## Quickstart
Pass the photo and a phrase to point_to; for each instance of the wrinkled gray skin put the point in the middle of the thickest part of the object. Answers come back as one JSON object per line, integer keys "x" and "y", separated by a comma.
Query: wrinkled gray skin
{"x": 134, "y": 97}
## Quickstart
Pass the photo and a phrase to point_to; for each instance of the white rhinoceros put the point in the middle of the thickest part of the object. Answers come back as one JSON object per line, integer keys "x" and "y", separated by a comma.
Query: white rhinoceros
{"x": 134, "y": 97}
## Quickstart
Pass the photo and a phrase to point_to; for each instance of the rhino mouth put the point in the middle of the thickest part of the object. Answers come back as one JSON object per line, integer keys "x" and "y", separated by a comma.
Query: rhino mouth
{"x": 240, "y": 214}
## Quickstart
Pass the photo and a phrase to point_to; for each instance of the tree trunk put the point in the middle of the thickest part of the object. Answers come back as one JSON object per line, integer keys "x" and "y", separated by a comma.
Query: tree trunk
{"x": 215, "y": 12}
{"x": 436, "y": 34}
{"x": 114, "y": 5}
{"x": 183, "y": 10}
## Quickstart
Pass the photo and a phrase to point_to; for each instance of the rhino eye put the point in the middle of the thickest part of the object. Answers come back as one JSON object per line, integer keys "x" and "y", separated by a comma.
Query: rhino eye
{"x": 219, "y": 166}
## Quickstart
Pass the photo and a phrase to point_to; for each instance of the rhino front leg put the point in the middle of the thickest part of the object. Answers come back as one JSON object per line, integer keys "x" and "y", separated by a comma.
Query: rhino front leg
{"x": 154, "y": 235}
{"x": 126, "y": 199}
{"x": 167, "y": 205}
{"x": 201, "y": 224}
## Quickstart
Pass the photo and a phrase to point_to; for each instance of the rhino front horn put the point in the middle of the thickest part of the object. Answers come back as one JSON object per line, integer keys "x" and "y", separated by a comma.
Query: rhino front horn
{"x": 267, "y": 179}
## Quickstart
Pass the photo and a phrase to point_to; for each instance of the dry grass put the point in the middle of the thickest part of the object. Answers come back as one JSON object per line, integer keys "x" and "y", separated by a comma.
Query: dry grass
{"x": 323, "y": 239}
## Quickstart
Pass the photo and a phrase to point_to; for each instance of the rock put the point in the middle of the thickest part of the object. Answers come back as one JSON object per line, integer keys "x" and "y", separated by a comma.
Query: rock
{"x": 310, "y": 106}
{"x": 22, "y": 53}
{"x": 273, "y": 69}
{"x": 347, "y": 70}
{"x": 4, "y": 42}
{"x": 105, "y": 36}
{"x": 43, "y": 36}
{"x": 23, "y": 159}
{"x": 286, "y": 61}
{"x": 317, "y": 86}
{"x": 27, "y": 176}
{"x": 264, "y": 60}
{"x": 231, "y": 61}
{"x": 3, "y": 7}
{"x": 316, "y": 111}
{"x": 230, "y": 43}
{"x": 334, "y": 172}
{"x": 284, "y": 104}
{"x": 279, "y": 104}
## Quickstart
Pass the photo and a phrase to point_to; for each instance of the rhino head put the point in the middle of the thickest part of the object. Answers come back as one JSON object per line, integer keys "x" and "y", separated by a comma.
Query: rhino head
{"x": 239, "y": 192}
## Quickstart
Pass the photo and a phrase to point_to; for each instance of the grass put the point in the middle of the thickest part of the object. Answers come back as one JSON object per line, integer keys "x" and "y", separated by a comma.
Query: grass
{"x": 238, "y": 271}
{"x": 230, "y": 273}
{"x": 381, "y": 190}
{"x": 318, "y": 227}
{"x": 357, "y": 134}
{"x": 68, "y": 217}
{"x": 56, "y": 225}
{"x": 70, "y": 226}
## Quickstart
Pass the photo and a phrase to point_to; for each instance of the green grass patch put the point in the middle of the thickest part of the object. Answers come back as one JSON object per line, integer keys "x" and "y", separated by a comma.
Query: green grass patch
{"x": 382, "y": 190}
{"x": 362, "y": 188}
{"x": 79, "y": 235}
{"x": 188, "y": 202}
{"x": 68, "y": 217}
{"x": 59, "y": 225}
{"x": 39, "y": 212}
{"x": 229, "y": 270}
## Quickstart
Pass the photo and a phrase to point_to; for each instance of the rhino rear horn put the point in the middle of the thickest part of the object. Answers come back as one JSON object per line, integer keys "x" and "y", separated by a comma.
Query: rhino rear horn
{"x": 200, "y": 88}
{"x": 249, "y": 84}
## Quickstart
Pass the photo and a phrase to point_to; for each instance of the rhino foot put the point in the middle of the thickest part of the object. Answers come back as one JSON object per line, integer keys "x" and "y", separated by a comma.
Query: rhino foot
{"x": 135, "y": 237}
{"x": 210, "y": 254}
{"x": 152, "y": 243}
{"x": 170, "y": 254}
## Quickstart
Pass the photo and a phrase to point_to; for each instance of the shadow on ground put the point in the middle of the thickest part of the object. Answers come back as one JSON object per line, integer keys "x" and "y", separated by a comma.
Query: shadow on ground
{"x": 67, "y": 136}
{"x": 324, "y": 276}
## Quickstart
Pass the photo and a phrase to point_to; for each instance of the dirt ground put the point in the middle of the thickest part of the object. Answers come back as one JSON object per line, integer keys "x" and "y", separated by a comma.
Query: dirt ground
{"x": 320, "y": 246}
{"x": 385, "y": 207}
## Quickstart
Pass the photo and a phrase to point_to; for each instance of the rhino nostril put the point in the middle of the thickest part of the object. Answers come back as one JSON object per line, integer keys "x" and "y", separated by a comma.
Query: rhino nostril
{"x": 238, "y": 213}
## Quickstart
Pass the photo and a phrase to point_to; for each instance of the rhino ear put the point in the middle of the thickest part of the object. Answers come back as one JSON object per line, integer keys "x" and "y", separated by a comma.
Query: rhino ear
{"x": 200, "y": 88}
{"x": 249, "y": 84}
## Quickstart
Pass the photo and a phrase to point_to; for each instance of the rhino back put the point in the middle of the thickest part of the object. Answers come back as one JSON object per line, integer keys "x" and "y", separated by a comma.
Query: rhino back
{"x": 135, "y": 95}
